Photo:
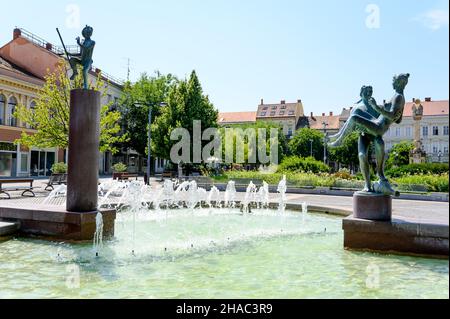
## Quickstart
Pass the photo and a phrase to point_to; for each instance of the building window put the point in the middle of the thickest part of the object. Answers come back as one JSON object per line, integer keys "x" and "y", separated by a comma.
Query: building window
{"x": 263, "y": 113}
{"x": 2, "y": 109}
{"x": 274, "y": 107}
{"x": 265, "y": 108}
{"x": 425, "y": 131}
{"x": 24, "y": 162}
{"x": 446, "y": 130}
{"x": 408, "y": 131}
{"x": 435, "y": 131}
{"x": 290, "y": 131}
{"x": 282, "y": 112}
{"x": 273, "y": 113}
{"x": 283, "y": 107}
{"x": 435, "y": 149}
{"x": 446, "y": 149}
{"x": 11, "y": 120}
{"x": 291, "y": 112}
{"x": 397, "y": 131}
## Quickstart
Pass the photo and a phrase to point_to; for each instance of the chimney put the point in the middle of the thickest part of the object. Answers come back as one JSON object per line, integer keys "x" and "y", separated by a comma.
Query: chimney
{"x": 49, "y": 46}
{"x": 428, "y": 99}
{"x": 312, "y": 114}
{"x": 331, "y": 113}
{"x": 384, "y": 101}
{"x": 283, "y": 102}
{"x": 351, "y": 108}
{"x": 414, "y": 100}
{"x": 299, "y": 101}
{"x": 323, "y": 114}
{"x": 262, "y": 101}
{"x": 97, "y": 70}
{"x": 16, "y": 33}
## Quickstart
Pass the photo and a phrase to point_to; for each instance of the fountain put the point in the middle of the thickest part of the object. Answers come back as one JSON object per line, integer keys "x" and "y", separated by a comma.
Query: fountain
{"x": 282, "y": 190}
{"x": 230, "y": 195}
{"x": 250, "y": 197}
{"x": 263, "y": 195}
{"x": 214, "y": 197}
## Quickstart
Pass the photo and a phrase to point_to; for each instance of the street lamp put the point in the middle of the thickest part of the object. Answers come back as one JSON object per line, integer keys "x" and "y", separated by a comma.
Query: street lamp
{"x": 150, "y": 109}
{"x": 325, "y": 124}
{"x": 311, "y": 142}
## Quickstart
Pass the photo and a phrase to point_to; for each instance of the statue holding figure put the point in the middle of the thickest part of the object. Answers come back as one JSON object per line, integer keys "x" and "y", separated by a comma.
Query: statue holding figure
{"x": 372, "y": 122}
{"x": 84, "y": 58}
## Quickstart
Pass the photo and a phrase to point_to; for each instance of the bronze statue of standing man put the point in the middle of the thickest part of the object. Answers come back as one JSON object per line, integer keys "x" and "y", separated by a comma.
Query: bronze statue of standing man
{"x": 84, "y": 58}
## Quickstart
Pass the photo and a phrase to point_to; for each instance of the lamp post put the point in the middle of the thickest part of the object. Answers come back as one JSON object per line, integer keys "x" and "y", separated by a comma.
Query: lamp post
{"x": 311, "y": 142}
{"x": 325, "y": 124}
{"x": 150, "y": 110}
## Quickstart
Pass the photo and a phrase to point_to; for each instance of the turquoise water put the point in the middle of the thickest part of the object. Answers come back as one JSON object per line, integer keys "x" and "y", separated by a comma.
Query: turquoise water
{"x": 216, "y": 254}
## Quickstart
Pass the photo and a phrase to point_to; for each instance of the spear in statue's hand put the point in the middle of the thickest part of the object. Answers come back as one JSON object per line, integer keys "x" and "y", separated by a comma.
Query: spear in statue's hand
{"x": 63, "y": 45}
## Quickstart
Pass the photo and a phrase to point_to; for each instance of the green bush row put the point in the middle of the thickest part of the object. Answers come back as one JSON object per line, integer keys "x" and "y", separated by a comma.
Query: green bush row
{"x": 418, "y": 169}
{"x": 300, "y": 164}
{"x": 425, "y": 183}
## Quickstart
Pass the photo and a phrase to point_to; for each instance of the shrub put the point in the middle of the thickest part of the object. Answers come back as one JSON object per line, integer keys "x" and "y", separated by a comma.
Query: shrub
{"x": 59, "y": 168}
{"x": 119, "y": 168}
{"x": 299, "y": 164}
{"x": 433, "y": 183}
{"x": 343, "y": 173}
{"x": 418, "y": 169}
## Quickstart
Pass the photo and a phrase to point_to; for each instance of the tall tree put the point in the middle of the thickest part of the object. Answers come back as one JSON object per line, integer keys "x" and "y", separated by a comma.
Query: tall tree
{"x": 135, "y": 101}
{"x": 50, "y": 117}
{"x": 300, "y": 145}
{"x": 399, "y": 154}
{"x": 186, "y": 102}
{"x": 347, "y": 153}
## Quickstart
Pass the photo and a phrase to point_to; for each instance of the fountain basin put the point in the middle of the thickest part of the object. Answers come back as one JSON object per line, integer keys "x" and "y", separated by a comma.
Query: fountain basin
{"x": 57, "y": 223}
{"x": 216, "y": 253}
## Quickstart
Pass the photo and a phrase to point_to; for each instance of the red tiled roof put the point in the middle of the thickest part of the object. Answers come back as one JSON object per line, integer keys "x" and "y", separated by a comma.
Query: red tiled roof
{"x": 432, "y": 108}
{"x": 236, "y": 117}
{"x": 315, "y": 122}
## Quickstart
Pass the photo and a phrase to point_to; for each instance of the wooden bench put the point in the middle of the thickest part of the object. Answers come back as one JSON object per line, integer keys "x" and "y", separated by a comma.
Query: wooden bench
{"x": 25, "y": 189}
{"x": 56, "y": 179}
{"x": 128, "y": 176}
{"x": 167, "y": 174}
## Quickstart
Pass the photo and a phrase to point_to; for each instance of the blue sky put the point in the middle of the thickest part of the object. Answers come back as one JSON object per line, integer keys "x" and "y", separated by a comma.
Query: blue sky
{"x": 319, "y": 51}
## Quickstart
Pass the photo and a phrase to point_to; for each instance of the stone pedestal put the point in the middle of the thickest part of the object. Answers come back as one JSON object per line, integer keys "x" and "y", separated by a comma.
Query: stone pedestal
{"x": 372, "y": 206}
{"x": 84, "y": 139}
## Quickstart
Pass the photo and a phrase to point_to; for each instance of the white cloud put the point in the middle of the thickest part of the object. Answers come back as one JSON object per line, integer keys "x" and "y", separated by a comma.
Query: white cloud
{"x": 434, "y": 19}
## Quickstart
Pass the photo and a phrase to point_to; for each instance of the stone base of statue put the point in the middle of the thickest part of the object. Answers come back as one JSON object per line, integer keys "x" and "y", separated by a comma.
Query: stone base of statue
{"x": 372, "y": 206}
{"x": 84, "y": 139}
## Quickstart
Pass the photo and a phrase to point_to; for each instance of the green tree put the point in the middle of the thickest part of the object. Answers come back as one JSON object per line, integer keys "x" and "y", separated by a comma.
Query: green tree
{"x": 347, "y": 153}
{"x": 186, "y": 102}
{"x": 135, "y": 101}
{"x": 300, "y": 144}
{"x": 399, "y": 154}
{"x": 50, "y": 117}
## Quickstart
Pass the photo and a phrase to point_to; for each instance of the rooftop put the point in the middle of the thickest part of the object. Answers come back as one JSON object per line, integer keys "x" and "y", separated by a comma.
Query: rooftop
{"x": 280, "y": 110}
{"x": 236, "y": 117}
